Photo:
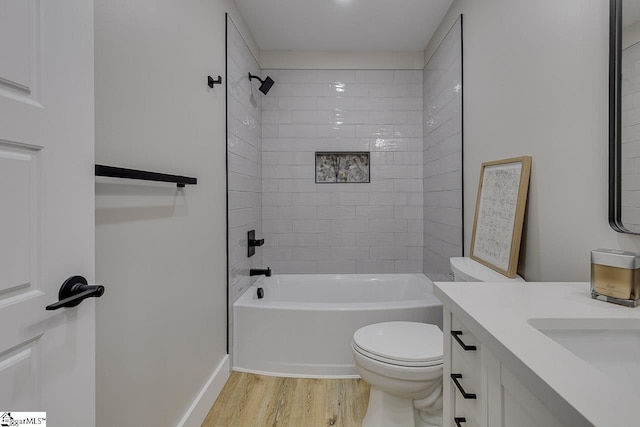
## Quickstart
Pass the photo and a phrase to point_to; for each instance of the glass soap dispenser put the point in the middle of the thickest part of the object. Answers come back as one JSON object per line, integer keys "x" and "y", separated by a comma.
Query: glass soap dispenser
{"x": 615, "y": 276}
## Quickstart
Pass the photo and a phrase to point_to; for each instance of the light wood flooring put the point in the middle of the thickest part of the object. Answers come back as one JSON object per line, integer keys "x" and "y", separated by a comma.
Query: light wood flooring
{"x": 249, "y": 400}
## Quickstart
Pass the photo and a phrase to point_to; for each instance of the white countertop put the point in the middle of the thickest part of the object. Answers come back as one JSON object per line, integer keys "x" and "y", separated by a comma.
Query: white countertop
{"x": 497, "y": 314}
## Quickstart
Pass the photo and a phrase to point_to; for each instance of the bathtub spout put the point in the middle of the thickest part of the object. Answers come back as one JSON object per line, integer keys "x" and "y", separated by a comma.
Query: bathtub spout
{"x": 260, "y": 271}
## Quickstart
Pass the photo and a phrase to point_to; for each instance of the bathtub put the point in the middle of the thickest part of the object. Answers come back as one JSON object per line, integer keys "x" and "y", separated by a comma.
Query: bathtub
{"x": 304, "y": 324}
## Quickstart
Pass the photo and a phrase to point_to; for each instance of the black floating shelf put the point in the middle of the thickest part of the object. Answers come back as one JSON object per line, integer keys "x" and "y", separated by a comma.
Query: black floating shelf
{"x": 114, "y": 172}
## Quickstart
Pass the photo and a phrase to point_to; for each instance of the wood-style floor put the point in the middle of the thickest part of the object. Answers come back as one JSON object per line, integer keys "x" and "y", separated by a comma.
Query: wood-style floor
{"x": 249, "y": 400}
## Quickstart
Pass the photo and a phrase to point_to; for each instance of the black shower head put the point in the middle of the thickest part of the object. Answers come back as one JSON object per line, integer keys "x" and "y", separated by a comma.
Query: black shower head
{"x": 266, "y": 83}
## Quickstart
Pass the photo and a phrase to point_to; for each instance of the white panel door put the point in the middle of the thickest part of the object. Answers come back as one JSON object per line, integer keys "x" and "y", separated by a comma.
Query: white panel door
{"x": 47, "y": 358}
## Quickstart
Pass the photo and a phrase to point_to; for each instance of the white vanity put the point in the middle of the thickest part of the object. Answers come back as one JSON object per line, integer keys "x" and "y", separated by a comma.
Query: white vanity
{"x": 538, "y": 354}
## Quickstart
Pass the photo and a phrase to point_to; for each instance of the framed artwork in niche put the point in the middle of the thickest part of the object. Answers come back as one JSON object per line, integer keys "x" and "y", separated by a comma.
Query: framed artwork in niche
{"x": 342, "y": 167}
{"x": 500, "y": 207}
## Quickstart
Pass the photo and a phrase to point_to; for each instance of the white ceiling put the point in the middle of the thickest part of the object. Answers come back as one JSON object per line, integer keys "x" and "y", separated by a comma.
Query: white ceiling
{"x": 343, "y": 25}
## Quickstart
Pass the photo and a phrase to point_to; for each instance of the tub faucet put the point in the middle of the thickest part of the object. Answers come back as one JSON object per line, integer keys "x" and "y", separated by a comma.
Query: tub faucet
{"x": 260, "y": 271}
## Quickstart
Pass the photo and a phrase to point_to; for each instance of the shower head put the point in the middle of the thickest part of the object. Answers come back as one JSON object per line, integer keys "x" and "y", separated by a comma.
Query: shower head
{"x": 265, "y": 84}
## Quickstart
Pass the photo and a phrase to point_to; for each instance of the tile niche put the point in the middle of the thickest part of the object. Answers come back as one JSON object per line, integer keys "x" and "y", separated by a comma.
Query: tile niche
{"x": 342, "y": 167}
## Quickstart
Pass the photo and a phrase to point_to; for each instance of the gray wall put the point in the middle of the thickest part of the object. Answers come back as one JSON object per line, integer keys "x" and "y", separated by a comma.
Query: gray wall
{"x": 536, "y": 83}
{"x": 631, "y": 138}
{"x": 343, "y": 228}
{"x": 443, "y": 154}
{"x": 160, "y": 252}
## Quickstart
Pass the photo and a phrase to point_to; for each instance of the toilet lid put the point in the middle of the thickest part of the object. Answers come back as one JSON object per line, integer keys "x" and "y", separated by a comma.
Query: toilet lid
{"x": 402, "y": 342}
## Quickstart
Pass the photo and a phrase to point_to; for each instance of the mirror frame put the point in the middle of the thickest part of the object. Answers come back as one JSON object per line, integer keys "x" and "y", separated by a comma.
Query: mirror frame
{"x": 615, "y": 118}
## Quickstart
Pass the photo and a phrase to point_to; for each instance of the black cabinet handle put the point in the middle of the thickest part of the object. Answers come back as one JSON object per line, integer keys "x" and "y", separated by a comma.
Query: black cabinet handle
{"x": 466, "y": 395}
{"x": 74, "y": 290}
{"x": 456, "y": 336}
{"x": 459, "y": 420}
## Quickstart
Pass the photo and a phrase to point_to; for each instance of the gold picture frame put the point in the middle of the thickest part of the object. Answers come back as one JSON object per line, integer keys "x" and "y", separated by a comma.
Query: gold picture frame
{"x": 499, "y": 216}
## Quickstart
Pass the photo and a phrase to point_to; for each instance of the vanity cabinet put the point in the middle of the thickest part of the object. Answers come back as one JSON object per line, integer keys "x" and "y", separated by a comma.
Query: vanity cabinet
{"x": 479, "y": 390}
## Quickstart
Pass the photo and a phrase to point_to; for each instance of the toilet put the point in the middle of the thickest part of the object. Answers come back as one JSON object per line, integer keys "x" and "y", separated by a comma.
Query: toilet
{"x": 402, "y": 362}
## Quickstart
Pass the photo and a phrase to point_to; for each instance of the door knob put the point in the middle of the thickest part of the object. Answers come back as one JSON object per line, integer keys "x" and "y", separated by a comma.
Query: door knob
{"x": 74, "y": 290}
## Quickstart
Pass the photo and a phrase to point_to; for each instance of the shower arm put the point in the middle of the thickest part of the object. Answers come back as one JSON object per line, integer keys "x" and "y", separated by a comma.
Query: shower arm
{"x": 251, "y": 76}
{"x": 265, "y": 84}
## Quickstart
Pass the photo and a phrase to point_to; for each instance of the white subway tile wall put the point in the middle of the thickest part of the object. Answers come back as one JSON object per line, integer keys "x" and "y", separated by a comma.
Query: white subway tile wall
{"x": 442, "y": 161}
{"x": 343, "y": 228}
{"x": 244, "y": 155}
{"x": 631, "y": 138}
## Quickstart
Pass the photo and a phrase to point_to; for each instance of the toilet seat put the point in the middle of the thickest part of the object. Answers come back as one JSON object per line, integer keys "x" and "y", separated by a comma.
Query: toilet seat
{"x": 394, "y": 372}
{"x": 400, "y": 363}
{"x": 409, "y": 344}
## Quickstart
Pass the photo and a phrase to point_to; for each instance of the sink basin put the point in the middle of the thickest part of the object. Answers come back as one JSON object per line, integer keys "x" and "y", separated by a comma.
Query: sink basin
{"x": 610, "y": 345}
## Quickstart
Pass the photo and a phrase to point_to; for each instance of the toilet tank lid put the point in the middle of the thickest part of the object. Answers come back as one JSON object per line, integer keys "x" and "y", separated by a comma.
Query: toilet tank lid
{"x": 472, "y": 271}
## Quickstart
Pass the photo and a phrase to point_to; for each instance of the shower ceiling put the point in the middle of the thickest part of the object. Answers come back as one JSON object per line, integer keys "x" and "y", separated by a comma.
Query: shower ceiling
{"x": 343, "y": 25}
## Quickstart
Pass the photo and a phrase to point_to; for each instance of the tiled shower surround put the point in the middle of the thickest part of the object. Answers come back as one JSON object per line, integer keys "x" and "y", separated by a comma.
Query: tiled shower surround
{"x": 374, "y": 227}
{"x": 244, "y": 159}
{"x": 443, "y": 154}
{"x": 407, "y": 219}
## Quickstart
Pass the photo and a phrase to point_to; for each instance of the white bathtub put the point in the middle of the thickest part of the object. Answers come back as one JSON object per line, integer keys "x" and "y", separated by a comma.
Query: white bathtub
{"x": 304, "y": 324}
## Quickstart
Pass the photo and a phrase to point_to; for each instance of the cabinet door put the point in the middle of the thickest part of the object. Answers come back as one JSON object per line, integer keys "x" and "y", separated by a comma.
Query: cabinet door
{"x": 448, "y": 391}
{"x": 511, "y": 404}
{"x": 463, "y": 357}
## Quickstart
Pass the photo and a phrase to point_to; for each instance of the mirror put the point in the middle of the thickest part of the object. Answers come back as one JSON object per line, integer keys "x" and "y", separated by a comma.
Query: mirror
{"x": 624, "y": 116}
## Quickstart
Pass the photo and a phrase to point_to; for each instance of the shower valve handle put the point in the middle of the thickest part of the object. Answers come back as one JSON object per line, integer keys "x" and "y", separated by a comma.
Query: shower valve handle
{"x": 258, "y": 242}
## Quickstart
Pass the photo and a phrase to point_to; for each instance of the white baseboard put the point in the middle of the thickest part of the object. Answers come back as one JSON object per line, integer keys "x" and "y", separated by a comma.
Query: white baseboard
{"x": 200, "y": 407}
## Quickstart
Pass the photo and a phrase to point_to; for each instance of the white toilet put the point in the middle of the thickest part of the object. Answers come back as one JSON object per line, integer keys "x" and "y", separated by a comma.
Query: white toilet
{"x": 402, "y": 362}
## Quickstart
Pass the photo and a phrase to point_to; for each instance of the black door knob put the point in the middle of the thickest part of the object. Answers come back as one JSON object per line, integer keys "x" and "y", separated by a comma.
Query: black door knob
{"x": 74, "y": 290}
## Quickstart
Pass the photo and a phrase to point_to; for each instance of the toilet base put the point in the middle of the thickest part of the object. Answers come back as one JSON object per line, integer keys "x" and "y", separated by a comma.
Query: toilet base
{"x": 386, "y": 410}
{"x": 423, "y": 419}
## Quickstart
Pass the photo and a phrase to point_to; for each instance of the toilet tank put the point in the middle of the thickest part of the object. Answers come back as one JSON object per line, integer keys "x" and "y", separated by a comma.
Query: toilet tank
{"x": 467, "y": 270}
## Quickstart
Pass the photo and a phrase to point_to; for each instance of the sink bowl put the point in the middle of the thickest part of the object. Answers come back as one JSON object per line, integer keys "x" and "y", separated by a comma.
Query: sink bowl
{"x": 610, "y": 345}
